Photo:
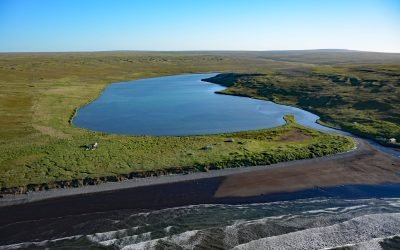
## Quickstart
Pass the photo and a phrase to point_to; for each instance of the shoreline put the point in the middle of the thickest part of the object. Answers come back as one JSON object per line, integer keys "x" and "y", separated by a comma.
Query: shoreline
{"x": 364, "y": 172}
{"x": 345, "y": 131}
{"x": 27, "y": 185}
{"x": 37, "y": 192}
{"x": 62, "y": 225}
{"x": 32, "y": 196}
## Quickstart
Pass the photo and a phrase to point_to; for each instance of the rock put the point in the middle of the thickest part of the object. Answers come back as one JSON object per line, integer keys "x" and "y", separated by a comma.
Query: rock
{"x": 22, "y": 190}
{"x": 43, "y": 187}
{"x": 76, "y": 183}
{"x": 93, "y": 146}
{"x": 89, "y": 181}
{"x": 230, "y": 140}
{"x": 112, "y": 178}
{"x": 124, "y": 177}
{"x": 208, "y": 147}
{"x": 32, "y": 187}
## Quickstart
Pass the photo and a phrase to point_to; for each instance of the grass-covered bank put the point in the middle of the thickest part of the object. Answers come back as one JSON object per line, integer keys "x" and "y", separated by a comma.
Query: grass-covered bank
{"x": 362, "y": 99}
{"x": 65, "y": 164}
{"x": 39, "y": 93}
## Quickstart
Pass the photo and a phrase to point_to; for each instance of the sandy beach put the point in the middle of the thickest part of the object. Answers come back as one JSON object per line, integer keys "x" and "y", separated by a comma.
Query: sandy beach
{"x": 59, "y": 208}
{"x": 364, "y": 165}
{"x": 15, "y": 199}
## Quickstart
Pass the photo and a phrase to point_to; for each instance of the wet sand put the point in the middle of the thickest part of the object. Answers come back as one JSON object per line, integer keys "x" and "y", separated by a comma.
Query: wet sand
{"x": 367, "y": 166}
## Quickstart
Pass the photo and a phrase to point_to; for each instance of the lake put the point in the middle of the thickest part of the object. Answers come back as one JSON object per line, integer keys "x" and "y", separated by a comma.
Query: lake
{"x": 181, "y": 105}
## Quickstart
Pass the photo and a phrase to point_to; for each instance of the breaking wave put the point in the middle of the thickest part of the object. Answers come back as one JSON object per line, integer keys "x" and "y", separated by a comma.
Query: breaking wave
{"x": 300, "y": 224}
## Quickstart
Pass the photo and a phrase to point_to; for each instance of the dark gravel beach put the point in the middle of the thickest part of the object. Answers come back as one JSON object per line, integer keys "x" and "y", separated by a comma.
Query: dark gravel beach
{"x": 362, "y": 173}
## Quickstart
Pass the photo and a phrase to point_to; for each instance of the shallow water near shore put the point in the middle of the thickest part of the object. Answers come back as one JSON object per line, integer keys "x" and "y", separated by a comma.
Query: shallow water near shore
{"x": 181, "y": 105}
{"x": 363, "y": 216}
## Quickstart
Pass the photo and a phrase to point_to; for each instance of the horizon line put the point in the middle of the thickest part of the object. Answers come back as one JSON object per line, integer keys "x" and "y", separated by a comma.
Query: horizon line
{"x": 216, "y": 50}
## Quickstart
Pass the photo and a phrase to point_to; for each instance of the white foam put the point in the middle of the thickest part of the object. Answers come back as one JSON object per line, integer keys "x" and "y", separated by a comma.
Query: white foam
{"x": 360, "y": 229}
{"x": 394, "y": 204}
{"x": 353, "y": 208}
{"x": 167, "y": 229}
{"x": 231, "y": 233}
{"x": 98, "y": 237}
{"x": 370, "y": 244}
{"x": 333, "y": 210}
{"x": 318, "y": 218}
{"x": 186, "y": 240}
{"x": 37, "y": 243}
{"x": 128, "y": 240}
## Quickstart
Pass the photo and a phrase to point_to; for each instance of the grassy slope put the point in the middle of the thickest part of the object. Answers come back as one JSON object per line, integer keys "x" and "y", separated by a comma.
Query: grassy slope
{"x": 39, "y": 93}
{"x": 363, "y": 99}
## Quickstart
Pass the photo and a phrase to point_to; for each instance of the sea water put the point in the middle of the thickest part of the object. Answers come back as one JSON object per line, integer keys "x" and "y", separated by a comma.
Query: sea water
{"x": 313, "y": 223}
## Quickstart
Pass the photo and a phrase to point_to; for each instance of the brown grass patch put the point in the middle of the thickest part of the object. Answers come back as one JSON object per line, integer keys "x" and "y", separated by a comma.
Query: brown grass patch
{"x": 295, "y": 135}
{"x": 51, "y": 132}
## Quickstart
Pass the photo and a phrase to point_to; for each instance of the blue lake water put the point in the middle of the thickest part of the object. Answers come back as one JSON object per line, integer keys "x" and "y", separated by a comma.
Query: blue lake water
{"x": 181, "y": 105}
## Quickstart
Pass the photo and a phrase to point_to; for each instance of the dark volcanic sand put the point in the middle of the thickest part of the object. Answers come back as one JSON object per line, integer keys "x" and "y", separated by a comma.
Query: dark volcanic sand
{"x": 292, "y": 180}
{"x": 368, "y": 166}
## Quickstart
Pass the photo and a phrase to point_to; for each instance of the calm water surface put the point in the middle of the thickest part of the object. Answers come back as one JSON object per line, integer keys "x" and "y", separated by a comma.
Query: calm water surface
{"x": 181, "y": 105}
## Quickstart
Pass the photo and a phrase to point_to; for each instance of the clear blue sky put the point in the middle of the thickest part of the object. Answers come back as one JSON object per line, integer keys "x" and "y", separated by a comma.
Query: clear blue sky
{"x": 90, "y": 25}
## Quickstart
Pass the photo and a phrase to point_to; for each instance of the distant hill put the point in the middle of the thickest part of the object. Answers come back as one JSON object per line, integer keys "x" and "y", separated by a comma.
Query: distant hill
{"x": 318, "y": 56}
{"x": 332, "y": 56}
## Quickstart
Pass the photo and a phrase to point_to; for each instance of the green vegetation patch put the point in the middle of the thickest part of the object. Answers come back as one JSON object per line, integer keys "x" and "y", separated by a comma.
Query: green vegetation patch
{"x": 67, "y": 159}
{"x": 363, "y": 99}
{"x": 40, "y": 93}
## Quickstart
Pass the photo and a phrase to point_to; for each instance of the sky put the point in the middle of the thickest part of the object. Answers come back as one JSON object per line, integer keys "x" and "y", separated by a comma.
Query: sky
{"x": 89, "y": 25}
